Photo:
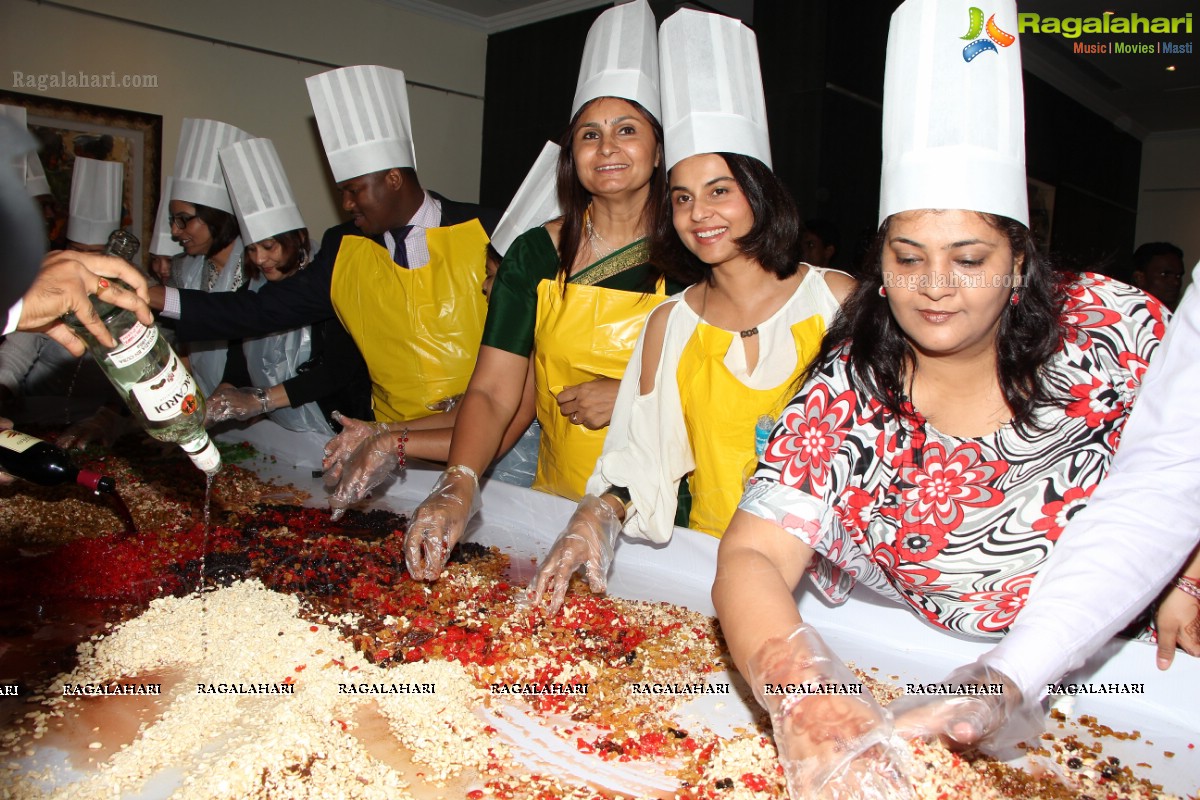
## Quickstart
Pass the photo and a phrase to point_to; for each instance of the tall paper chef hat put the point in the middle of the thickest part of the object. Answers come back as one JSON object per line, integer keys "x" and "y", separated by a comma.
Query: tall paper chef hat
{"x": 198, "y": 177}
{"x": 620, "y": 58}
{"x": 96, "y": 188}
{"x": 535, "y": 203}
{"x": 362, "y": 114}
{"x": 21, "y": 230}
{"x": 29, "y": 167}
{"x": 953, "y": 111}
{"x": 260, "y": 191}
{"x": 35, "y": 176}
{"x": 18, "y": 115}
{"x": 712, "y": 88}
{"x": 161, "y": 243}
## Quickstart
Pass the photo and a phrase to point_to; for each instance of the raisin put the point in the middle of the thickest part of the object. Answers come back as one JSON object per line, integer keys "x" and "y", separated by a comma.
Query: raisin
{"x": 725, "y": 783}
{"x": 1075, "y": 762}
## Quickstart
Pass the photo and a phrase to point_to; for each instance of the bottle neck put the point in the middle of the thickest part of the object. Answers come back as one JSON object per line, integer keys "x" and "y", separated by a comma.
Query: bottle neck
{"x": 95, "y": 481}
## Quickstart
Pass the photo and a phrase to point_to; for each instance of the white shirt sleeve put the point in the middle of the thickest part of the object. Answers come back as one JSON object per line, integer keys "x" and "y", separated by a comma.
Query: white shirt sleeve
{"x": 1141, "y": 525}
{"x": 171, "y": 307}
{"x": 14, "y": 317}
{"x": 647, "y": 449}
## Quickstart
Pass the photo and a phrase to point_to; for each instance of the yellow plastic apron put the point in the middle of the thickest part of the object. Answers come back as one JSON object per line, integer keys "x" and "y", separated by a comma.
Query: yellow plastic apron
{"x": 418, "y": 329}
{"x": 589, "y": 333}
{"x": 720, "y": 413}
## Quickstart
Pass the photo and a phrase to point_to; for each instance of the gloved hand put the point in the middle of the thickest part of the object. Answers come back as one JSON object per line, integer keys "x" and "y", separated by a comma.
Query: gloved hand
{"x": 588, "y": 540}
{"x": 994, "y": 722}
{"x": 365, "y": 469}
{"x": 836, "y": 745}
{"x": 446, "y": 404}
{"x": 102, "y": 428}
{"x": 229, "y": 403}
{"x": 339, "y": 449}
{"x": 439, "y": 522}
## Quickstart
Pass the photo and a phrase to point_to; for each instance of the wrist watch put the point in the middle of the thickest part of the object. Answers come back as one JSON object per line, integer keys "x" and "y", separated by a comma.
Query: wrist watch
{"x": 622, "y": 494}
{"x": 263, "y": 399}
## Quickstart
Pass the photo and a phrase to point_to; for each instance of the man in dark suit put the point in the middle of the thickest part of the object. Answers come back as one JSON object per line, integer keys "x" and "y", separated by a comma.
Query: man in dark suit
{"x": 403, "y": 275}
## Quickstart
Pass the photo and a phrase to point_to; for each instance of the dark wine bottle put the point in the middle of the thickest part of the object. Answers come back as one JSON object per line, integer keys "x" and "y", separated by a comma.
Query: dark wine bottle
{"x": 38, "y": 461}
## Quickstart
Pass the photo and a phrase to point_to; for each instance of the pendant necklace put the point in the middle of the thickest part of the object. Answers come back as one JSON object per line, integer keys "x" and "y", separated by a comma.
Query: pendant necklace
{"x": 746, "y": 334}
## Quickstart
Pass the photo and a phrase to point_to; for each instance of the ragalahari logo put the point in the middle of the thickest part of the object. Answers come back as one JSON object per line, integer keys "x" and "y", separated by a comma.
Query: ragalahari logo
{"x": 995, "y": 36}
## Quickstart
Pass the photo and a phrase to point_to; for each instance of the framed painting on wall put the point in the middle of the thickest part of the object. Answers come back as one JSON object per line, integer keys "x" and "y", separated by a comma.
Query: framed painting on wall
{"x": 1041, "y": 212}
{"x": 66, "y": 130}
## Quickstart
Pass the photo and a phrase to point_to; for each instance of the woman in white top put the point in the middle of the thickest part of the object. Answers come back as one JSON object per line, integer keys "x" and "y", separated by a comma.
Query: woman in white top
{"x": 709, "y": 364}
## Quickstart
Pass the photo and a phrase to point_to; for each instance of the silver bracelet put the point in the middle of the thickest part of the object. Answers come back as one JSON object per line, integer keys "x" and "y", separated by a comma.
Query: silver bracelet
{"x": 263, "y": 399}
{"x": 1187, "y": 587}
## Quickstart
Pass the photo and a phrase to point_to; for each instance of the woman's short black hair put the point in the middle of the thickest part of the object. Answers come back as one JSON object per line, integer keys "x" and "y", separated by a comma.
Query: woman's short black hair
{"x": 1031, "y": 330}
{"x": 222, "y": 227}
{"x": 297, "y": 251}
{"x": 574, "y": 200}
{"x": 773, "y": 241}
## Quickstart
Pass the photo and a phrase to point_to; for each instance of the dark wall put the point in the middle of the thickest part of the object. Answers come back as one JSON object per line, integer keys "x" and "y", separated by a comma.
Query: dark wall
{"x": 822, "y": 64}
{"x": 531, "y": 73}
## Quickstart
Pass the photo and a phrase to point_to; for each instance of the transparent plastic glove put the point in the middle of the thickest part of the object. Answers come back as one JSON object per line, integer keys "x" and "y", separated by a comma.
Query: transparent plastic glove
{"x": 102, "y": 428}
{"x": 836, "y": 745}
{"x": 588, "y": 541}
{"x": 994, "y": 722}
{"x": 340, "y": 448}
{"x": 439, "y": 522}
{"x": 446, "y": 404}
{"x": 229, "y": 403}
{"x": 368, "y": 467}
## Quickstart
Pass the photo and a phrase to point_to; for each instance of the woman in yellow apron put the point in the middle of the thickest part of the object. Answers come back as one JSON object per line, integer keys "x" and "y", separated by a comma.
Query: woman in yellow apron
{"x": 710, "y": 364}
{"x": 566, "y": 308}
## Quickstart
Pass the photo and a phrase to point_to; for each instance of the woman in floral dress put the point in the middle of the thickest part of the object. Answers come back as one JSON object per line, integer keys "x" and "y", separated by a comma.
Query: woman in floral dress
{"x": 966, "y": 403}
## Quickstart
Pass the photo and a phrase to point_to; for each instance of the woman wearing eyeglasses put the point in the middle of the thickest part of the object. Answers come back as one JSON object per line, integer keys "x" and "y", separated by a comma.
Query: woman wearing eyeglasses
{"x": 202, "y": 221}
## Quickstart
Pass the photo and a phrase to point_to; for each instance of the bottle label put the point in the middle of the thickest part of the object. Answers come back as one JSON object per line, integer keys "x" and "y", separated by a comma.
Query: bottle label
{"x": 17, "y": 442}
{"x": 169, "y": 394}
{"x": 204, "y": 454}
{"x": 133, "y": 344}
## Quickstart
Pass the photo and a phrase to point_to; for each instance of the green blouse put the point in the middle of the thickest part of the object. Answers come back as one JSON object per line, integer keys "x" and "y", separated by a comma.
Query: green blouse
{"x": 512, "y": 308}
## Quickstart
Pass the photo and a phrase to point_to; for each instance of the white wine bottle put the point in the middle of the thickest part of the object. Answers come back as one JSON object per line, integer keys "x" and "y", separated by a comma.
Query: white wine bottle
{"x": 148, "y": 374}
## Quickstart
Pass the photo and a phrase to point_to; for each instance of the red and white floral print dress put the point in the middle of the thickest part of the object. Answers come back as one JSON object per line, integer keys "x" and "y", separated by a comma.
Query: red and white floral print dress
{"x": 956, "y": 528}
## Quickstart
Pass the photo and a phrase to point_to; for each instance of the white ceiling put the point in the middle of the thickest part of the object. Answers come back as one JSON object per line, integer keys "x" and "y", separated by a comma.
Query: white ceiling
{"x": 491, "y": 16}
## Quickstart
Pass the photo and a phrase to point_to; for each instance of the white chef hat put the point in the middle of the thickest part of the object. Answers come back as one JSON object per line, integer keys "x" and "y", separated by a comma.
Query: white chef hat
{"x": 713, "y": 98}
{"x": 535, "y": 203}
{"x": 362, "y": 114}
{"x": 35, "y": 176}
{"x": 161, "y": 242}
{"x": 18, "y": 115}
{"x": 262, "y": 197}
{"x": 953, "y": 110}
{"x": 198, "y": 177}
{"x": 29, "y": 167}
{"x": 96, "y": 189}
{"x": 620, "y": 58}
